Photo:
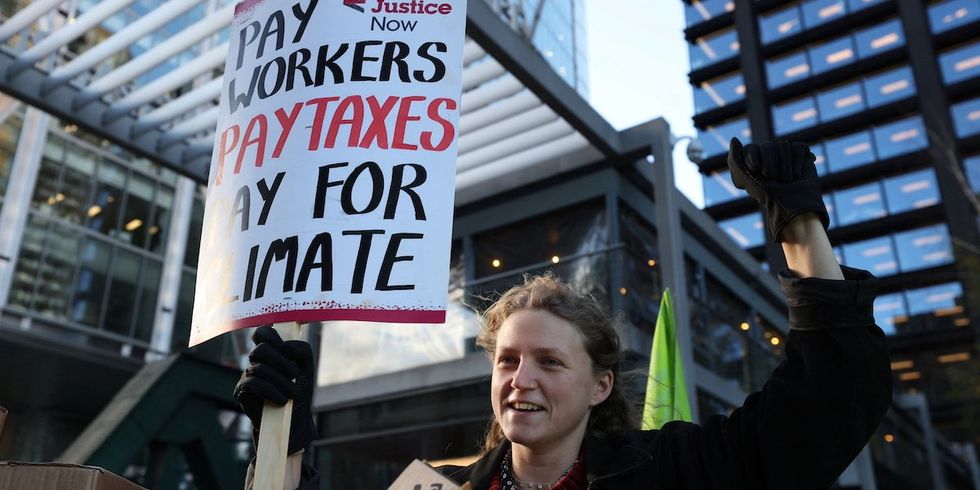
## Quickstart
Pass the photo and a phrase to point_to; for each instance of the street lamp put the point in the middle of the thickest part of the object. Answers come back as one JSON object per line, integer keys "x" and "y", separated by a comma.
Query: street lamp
{"x": 695, "y": 150}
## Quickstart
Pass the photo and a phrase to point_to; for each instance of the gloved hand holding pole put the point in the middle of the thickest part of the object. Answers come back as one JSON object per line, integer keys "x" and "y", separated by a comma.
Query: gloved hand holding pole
{"x": 276, "y": 393}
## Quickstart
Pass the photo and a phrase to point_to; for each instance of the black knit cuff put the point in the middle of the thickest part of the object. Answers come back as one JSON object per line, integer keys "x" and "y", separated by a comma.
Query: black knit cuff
{"x": 816, "y": 303}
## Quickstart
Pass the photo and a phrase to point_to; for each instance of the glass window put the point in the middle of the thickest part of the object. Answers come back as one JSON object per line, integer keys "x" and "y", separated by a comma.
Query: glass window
{"x": 830, "y": 55}
{"x": 840, "y": 101}
{"x": 719, "y": 92}
{"x": 934, "y": 298}
{"x": 923, "y": 248}
{"x": 716, "y": 138}
{"x": 887, "y": 307}
{"x": 93, "y": 259}
{"x": 718, "y": 188}
{"x": 962, "y": 63}
{"x": 817, "y": 12}
{"x": 534, "y": 241}
{"x": 900, "y": 137}
{"x": 850, "y": 151}
{"x": 711, "y": 49}
{"x": 972, "y": 166}
{"x": 820, "y": 158}
{"x": 828, "y": 202}
{"x": 889, "y": 86}
{"x": 880, "y": 38}
{"x": 966, "y": 117}
{"x": 699, "y": 11}
{"x": 9, "y": 136}
{"x": 149, "y": 290}
{"x": 121, "y": 304}
{"x": 856, "y": 5}
{"x": 951, "y": 14}
{"x": 794, "y": 115}
{"x": 788, "y": 69}
{"x": 780, "y": 24}
{"x": 136, "y": 211}
{"x": 911, "y": 191}
{"x": 861, "y": 203}
{"x": 875, "y": 255}
{"x": 748, "y": 231}
{"x": 106, "y": 205}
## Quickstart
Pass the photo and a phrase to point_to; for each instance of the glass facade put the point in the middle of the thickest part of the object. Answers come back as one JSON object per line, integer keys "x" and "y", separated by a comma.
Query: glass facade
{"x": 748, "y": 231}
{"x": 716, "y": 138}
{"x": 843, "y": 78}
{"x": 719, "y": 92}
{"x": 698, "y": 11}
{"x": 950, "y": 14}
{"x": 966, "y": 117}
{"x": 960, "y": 63}
{"x": 843, "y": 100}
{"x": 714, "y": 48}
{"x": 92, "y": 253}
{"x": 556, "y": 28}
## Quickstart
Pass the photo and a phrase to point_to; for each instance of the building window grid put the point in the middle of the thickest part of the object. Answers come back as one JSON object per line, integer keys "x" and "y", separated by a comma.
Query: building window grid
{"x": 960, "y": 63}
{"x": 146, "y": 258}
{"x": 948, "y": 15}
{"x": 829, "y": 55}
{"x": 799, "y": 17}
{"x": 966, "y": 117}
{"x": 844, "y": 99}
{"x": 104, "y": 161}
{"x": 699, "y": 11}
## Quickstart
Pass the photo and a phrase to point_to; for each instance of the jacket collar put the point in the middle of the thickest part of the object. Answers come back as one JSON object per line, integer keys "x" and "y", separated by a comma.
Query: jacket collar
{"x": 603, "y": 458}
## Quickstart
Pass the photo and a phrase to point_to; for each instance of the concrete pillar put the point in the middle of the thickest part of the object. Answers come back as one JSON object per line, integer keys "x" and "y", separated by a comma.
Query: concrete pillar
{"x": 20, "y": 189}
{"x": 173, "y": 264}
{"x": 667, "y": 214}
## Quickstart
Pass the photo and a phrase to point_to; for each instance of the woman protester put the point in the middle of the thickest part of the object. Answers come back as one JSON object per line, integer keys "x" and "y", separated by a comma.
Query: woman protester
{"x": 561, "y": 421}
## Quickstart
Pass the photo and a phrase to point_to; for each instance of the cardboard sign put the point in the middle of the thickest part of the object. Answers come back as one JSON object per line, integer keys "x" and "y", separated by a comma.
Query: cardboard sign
{"x": 59, "y": 476}
{"x": 420, "y": 476}
{"x": 330, "y": 193}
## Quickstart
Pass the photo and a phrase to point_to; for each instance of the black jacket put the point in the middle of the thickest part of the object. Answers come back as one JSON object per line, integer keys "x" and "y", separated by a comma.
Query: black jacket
{"x": 816, "y": 412}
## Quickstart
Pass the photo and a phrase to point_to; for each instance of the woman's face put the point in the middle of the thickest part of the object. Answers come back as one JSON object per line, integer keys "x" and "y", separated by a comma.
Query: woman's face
{"x": 543, "y": 384}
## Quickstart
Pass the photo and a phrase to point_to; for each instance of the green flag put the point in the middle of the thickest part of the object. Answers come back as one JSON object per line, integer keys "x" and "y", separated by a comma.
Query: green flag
{"x": 666, "y": 398}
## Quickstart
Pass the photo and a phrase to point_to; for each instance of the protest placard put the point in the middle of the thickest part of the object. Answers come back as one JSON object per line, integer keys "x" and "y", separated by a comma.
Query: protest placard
{"x": 330, "y": 193}
{"x": 420, "y": 476}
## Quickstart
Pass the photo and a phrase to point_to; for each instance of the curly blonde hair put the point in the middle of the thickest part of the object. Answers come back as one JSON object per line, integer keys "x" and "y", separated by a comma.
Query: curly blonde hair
{"x": 546, "y": 292}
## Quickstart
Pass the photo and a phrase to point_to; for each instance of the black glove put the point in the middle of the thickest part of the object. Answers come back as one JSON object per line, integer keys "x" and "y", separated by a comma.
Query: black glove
{"x": 781, "y": 177}
{"x": 273, "y": 367}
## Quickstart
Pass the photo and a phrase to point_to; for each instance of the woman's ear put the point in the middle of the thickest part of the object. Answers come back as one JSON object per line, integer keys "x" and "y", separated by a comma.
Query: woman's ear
{"x": 603, "y": 387}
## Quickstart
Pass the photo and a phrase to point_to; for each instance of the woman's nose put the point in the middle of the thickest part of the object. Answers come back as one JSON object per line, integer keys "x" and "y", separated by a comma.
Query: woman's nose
{"x": 524, "y": 378}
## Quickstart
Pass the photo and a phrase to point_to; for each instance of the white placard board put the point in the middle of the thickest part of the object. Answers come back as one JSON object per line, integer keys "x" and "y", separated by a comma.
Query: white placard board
{"x": 330, "y": 193}
{"x": 420, "y": 476}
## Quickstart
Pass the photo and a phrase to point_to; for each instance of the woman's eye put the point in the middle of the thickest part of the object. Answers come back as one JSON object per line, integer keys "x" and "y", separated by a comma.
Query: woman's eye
{"x": 506, "y": 360}
{"x": 551, "y": 362}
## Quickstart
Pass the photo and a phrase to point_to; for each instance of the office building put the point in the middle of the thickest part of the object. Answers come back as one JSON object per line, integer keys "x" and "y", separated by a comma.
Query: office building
{"x": 104, "y": 153}
{"x": 556, "y": 29}
{"x": 885, "y": 93}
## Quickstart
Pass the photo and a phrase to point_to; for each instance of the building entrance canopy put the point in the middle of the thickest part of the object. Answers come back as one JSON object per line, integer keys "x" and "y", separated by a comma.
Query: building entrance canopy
{"x": 519, "y": 120}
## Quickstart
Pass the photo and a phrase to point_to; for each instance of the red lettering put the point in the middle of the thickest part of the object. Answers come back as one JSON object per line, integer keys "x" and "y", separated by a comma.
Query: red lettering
{"x": 260, "y": 123}
{"x": 225, "y": 149}
{"x": 404, "y": 117}
{"x": 286, "y": 122}
{"x": 321, "y": 111}
{"x": 378, "y": 130}
{"x": 445, "y": 8}
{"x": 448, "y": 131}
{"x": 355, "y": 121}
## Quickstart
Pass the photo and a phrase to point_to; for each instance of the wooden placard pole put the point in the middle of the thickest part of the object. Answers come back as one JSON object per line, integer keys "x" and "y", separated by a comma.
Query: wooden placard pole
{"x": 3, "y": 417}
{"x": 270, "y": 456}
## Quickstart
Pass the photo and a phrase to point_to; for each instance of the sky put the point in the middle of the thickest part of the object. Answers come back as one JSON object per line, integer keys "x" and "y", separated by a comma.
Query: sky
{"x": 638, "y": 65}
